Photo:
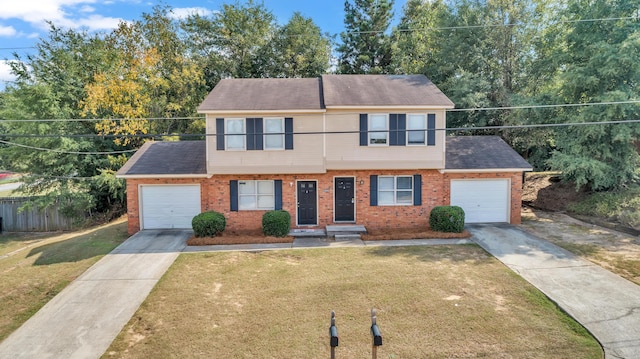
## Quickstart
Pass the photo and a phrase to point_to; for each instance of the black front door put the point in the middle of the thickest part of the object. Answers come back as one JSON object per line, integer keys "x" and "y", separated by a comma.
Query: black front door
{"x": 307, "y": 204}
{"x": 344, "y": 208}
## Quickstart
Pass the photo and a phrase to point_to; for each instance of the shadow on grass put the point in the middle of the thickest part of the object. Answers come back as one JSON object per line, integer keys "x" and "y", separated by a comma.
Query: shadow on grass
{"x": 81, "y": 247}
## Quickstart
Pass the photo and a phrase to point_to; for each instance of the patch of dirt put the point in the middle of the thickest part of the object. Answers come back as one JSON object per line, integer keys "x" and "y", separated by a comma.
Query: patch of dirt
{"x": 544, "y": 190}
{"x": 615, "y": 251}
{"x": 410, "y": 233}
{"x": 238, "y": 237}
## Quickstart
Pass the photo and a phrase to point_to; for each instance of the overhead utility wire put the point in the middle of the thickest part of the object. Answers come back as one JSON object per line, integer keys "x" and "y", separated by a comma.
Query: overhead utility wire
{"x": 66, "y": 152}
{"x": 334, "y": 113}
{"x": 159, "y": 135}
{"x": 412, "y": 30}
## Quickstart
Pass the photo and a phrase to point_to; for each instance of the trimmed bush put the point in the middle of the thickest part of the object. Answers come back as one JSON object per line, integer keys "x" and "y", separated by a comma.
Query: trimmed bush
{"x": 447, "y": 219}
{"x": 208, "y": 224}
{"x": 276, "y": 223}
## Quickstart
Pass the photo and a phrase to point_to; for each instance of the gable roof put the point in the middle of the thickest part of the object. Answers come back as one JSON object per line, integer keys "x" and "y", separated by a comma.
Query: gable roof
{"x": 264, "y": 95}
{"x": 382, "y": 90}
{"x": 269, "y": 94}
{"x": 480, "y": 153}
{"x": 182, "y": 158}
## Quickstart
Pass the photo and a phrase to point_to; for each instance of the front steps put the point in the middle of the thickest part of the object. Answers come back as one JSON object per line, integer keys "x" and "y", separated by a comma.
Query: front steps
{"x": 337, "y": 232}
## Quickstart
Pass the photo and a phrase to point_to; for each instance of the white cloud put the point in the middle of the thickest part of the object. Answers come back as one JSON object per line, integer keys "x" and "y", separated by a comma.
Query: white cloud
{"x": 5, "y": 72}
{"x": 36, "y": 12}
{"x": 7, "y": 31}
{"x": 183, "y": 12}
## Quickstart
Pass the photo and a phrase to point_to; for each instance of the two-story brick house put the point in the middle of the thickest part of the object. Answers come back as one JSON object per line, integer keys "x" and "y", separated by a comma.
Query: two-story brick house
{"x": 365, "y": 149}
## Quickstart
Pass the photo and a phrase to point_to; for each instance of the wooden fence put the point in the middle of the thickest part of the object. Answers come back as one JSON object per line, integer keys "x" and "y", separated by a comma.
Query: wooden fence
{"x": 31, "y": 220}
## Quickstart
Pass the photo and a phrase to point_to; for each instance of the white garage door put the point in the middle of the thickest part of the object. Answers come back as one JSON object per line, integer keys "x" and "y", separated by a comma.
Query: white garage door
{"x": 483, "y": 201}
{"x": 170, "y": 206}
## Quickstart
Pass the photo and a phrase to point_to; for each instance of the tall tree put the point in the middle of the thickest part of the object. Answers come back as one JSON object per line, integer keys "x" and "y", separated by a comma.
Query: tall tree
{"x": 598, "y": 62}
{"x": 366, "y": 45}
{"x": 299, "y": 49}
{"x": 228, "y": 43}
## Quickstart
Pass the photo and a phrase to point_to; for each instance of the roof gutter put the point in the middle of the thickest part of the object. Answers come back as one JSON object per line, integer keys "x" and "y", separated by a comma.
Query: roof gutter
{"x": 234, "y": 112}
{"x": 485, "y": 170}
{"x": 150, "y": 176}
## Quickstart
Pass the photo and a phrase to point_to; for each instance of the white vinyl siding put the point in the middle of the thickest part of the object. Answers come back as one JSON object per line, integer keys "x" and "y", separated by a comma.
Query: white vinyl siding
{"x": 274, "y": 133}
{"x": 416, "y": 125}
{"x": 168, "y": 206}
{"x": 395, "y": 190}
{"x": 378, "y": 123}
{"x": 256, "y": 195}
{"x": 236, "y": 134}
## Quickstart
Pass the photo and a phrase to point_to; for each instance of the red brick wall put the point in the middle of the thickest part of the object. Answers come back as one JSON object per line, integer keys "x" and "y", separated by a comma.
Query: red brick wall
{"x": 516, "y": 188}
{"x": 435, "y": 192}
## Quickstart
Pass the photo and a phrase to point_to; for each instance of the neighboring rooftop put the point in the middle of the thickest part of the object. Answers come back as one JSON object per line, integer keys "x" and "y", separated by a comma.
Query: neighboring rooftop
{"x": 264, "y": 95}
{"x": 481, "y": 152}
{"x": 382, "y": 90}
{"x": 167, "y": 158}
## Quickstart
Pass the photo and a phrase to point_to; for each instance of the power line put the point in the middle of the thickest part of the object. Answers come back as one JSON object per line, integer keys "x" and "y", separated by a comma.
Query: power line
{"x": 188, "y": 135}
{"x": 66, "y": 152}
{"x": 470, "y": 109}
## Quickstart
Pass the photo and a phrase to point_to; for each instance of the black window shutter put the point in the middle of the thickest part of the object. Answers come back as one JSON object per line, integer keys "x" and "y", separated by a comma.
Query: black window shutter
{"x": 373, "y": 191}
{"x": 278, "y": 194}
{"x": 288, "y": 133}
{"x": 254, "y": 134}
{"x": 364, "y": 135}
{"x": 393, "y": 129}
{"x": 431, "y": 129}
{"x": 220, "y": 134}
{"x": 417, "y": 190}
{"x": 258, "y": 138}
{"x": 233, "y": 190}
{"x": 250, "y": 134}
{"x": 402, "y": 130}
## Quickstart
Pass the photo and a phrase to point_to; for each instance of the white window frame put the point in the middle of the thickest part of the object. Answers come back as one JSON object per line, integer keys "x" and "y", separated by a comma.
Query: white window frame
{"x": 229, "y": 135}
{"x": 395, "y": 191}
{"x": 256, "y": 195}
{"x": 386, "y": 125}
{"x": 423, "y": 129}
{"x": 268, "y": 134}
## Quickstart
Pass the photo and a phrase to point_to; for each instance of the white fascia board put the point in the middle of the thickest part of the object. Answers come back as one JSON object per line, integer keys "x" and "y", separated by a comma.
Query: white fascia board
{"x": 485, "y": 170}
{"x": 382, "y": 108}
{"x": 164, "y": 176}
{"x": 260, "y": 112}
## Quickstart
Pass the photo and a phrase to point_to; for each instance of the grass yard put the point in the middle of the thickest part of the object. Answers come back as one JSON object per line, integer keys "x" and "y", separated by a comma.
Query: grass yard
{"x": 432, "y": 302}
{"x": 36, "y": 267}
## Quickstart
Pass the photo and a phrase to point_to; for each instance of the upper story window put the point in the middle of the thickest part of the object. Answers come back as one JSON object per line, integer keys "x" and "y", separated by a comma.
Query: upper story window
{"x": 378, "y": 127}
{"x": 416, "y": 125}
{"x": 235, "y": 128}
{"x": 274, "y": 133}
{"x": 254, "y": 134}
{"x": 397, "y": 129}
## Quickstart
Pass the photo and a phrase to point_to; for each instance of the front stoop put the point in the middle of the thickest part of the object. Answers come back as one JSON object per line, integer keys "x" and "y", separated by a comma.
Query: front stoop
{"x": 345, "y": 232}
{"x": 307, "y": 233}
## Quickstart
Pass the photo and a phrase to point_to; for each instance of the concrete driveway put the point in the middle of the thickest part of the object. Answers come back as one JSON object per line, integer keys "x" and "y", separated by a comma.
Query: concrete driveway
{"x": 83, "y": 319}
{"x": 604, "y": 303}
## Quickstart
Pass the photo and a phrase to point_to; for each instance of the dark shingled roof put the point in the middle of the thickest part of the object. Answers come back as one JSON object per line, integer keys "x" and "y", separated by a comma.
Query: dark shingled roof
{"x": 167, "y": 158}
{"x": 264, "y": 94}
{"x": 382, "y": 90}
{"x": 482, "y": 152}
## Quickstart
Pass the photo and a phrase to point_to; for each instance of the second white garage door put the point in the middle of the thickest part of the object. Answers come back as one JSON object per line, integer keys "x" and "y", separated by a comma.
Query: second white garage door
{"x": 169, "y": 206}
{"x": 483, "y": 201}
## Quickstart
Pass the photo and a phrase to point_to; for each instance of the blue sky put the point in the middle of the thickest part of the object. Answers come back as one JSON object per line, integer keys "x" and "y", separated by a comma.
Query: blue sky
{"x": 22, "y": 22}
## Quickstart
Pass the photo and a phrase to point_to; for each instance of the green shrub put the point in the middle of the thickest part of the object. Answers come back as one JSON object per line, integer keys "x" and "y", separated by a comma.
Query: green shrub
{"x": 208, "y": 224}
{"x": 276, "y": 223}
{"x": 447, "y": 219}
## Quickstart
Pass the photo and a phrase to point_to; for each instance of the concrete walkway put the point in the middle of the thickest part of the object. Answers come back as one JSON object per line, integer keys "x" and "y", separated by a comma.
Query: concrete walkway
{"x": 604, "y": 303}
{"x": 83, "y": 319}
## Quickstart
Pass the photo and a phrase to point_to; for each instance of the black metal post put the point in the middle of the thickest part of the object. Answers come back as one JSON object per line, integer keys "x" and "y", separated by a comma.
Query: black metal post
{"x": 375, "y": 333}
{"x": 333, "y": 335}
